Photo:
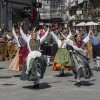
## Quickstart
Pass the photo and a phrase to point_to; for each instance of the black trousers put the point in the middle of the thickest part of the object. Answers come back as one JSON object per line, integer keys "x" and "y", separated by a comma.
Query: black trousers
{"x": 96, "y": 52}
{"x": 46, "y": 50}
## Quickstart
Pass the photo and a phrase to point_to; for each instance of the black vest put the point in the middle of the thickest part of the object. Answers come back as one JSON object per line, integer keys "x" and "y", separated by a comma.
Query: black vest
{"x": 49, "y": 40}
{"x": 22, "y": 42}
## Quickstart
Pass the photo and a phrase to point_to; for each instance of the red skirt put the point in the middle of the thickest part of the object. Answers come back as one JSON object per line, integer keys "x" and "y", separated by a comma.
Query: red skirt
{"x": 23, "y": 53}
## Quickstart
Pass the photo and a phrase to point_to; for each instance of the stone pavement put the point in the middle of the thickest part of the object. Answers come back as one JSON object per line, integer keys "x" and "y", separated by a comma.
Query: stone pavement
{"x": 52, "y": 87}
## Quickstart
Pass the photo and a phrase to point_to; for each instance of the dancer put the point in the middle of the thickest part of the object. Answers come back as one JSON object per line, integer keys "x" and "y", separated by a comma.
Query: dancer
{"x": 80, "y": 58}
{"x": 35, "y": 65}
{"x": 47, "y": 45}
{"x": 22, "y": 51}
{"x": 62, "y": 59}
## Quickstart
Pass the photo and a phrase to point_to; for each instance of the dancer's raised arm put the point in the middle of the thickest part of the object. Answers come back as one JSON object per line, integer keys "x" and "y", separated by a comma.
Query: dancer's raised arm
{"x": 14, "y": 33}
{"x": 55, "y": 38}
{"x": 23, "y": 35}
{"x": 86, "y": 40}
{"x": 42, "y": 39}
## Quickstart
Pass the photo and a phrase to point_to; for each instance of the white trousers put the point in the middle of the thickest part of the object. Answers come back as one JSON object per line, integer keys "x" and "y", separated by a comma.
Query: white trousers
{"x": 97, "y": 61}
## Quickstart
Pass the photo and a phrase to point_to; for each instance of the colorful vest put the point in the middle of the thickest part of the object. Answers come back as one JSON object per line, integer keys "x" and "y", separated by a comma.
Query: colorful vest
{"x": 34, "y": 45}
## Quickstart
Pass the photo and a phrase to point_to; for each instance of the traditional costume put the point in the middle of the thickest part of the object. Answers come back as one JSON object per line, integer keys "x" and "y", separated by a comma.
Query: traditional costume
{"x": 47, "y": 45}
{"x": 62, "y": 59}
{"x": 35, "y": 65}
{"x": 21, "y": 53}
{"x": 80, "y": 60}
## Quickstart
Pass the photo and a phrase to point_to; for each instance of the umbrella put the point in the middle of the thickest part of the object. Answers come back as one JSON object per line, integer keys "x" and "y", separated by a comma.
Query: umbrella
{"x": 91, "y": 23}
{"x": 81, "y": 24}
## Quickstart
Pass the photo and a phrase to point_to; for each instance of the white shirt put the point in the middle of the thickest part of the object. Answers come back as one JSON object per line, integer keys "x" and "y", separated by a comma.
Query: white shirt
{"x": 59, "y": 42}
{"x": 16, "y": 37}
{"x": 27, "y": 39}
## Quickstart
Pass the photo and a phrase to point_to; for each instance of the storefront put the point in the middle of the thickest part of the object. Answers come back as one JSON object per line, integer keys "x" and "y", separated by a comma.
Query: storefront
{"x": 11, "y": 12}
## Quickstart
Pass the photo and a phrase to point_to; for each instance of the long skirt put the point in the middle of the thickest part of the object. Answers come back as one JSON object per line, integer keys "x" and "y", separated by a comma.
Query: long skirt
{"x": 11, "y": 47}
{"x": 81, "y": 62}
{"x": 14, "y": 66}
{"x": 38, "y": 67}
{"x": 62, "y": 60}
{"x": 23, "y": 53}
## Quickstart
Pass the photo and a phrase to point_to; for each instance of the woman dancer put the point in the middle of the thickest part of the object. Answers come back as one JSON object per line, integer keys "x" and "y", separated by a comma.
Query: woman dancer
{"x": 80, "y": 58}
{"x": 35, "y": 65}
{"x": 21, "y": 53}
{"x": 62, "y": 59}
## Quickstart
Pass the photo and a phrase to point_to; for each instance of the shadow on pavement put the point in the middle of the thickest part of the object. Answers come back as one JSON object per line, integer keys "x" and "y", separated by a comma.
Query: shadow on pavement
{"x": 56, "y": 82}
{"x": 86, "y": 83}
{"x": 4, "y": 77}
{"x": 89, "y": 80}
{"x": 66, "y": 75}
{"x": 16, "y": 75}
{"x": 94, "y": 69}
{"x": 2, "y": 68}
{"x": 8, "y": 84}
{"x": 41, "y": 86}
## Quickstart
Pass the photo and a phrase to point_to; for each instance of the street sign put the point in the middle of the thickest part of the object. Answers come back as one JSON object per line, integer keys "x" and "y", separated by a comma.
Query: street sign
{"x": 37, "y": 5}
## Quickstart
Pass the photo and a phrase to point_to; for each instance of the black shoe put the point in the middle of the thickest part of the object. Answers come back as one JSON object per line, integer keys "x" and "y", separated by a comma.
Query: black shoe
{"x": 97, "y": 69}
{"x": 36, "y": 86}
{"x": 78, "y": 84}
{"x": 61, "y": 75}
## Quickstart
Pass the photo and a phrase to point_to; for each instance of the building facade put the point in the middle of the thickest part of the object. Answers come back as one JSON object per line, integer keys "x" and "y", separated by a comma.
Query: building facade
{"x": 11, "y": 11}
{"x": 94, "y": 10}
{"x": 83, "y": 10}
{"x": 53, "y": 10}
{"x": 72, "y": 11}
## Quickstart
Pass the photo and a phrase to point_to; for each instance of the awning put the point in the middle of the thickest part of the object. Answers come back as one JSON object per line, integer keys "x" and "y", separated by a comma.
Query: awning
{"x": 81, "y": 24}
{"x": 91, "y": 23}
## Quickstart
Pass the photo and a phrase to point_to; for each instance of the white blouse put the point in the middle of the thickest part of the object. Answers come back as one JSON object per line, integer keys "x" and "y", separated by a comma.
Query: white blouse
{"x": 59, "y": 42}
{"x": 15, "y": 36}
{"x": 27, "y": 39}
{"x": 70, "y": 42}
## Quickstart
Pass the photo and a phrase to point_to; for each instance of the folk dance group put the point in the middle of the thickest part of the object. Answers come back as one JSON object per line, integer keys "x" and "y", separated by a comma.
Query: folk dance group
{"x": 33, "y": 54}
